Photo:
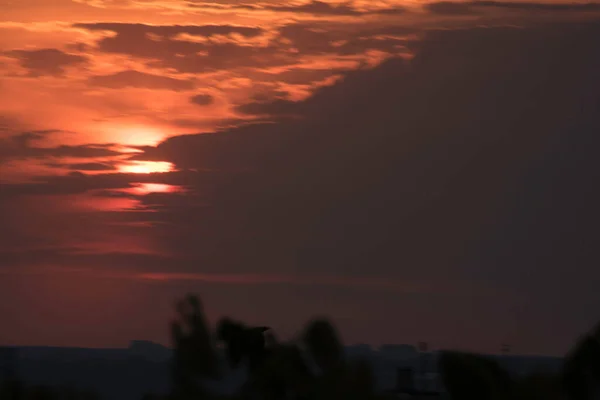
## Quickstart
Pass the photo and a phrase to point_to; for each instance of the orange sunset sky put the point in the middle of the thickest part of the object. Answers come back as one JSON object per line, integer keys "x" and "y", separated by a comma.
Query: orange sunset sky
{"x": 417, "y": 170}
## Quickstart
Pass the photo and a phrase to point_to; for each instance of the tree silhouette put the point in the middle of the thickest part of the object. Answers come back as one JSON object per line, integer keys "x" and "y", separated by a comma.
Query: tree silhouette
{"x": 581, "y": 370}
{"x": 314, "y": 367}
{"x": 194, "y": 355}
{"x": 473, "y": 377}
{"x": 470, "y": 377}
{"x": 337, "y": 378}
{"x": 323, "y": 343}
{"x": 243, "y": 342}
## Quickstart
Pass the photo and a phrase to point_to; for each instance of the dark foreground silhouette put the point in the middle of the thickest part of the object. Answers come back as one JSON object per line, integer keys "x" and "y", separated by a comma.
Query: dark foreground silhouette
{"x": 315, "y": 367}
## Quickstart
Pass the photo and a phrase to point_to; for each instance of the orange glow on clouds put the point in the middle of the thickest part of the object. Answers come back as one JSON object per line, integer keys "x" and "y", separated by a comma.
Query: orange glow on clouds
{"x": 146, "y": 188}
{"x": 132, "y": 134}
{"x": 146, "y": 167}
{"x": 141, "y": 136}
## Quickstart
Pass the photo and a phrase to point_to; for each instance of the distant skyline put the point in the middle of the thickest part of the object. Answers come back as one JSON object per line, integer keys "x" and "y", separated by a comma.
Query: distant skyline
{"x": 417, "y": 171}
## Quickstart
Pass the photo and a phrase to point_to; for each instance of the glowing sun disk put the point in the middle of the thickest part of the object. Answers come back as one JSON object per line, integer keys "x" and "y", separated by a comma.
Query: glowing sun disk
{"x": 146, "y": 167}
{"x": 146, "y": 188}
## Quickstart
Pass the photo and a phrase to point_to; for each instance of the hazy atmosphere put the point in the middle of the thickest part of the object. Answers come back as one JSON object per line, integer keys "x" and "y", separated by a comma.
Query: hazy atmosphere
{"x": 418, "y": 171}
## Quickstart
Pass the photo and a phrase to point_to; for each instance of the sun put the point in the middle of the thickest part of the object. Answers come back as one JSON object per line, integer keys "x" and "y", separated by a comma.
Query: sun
{"x": 129, "y": 134}
{"x": 146, "y": 167}
{"x": 142, "y": 188}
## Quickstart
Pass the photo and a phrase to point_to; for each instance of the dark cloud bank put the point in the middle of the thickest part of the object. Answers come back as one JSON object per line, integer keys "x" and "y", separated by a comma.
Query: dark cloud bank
{"x": 474, "y": 7}
{"x": 473, "y": 161}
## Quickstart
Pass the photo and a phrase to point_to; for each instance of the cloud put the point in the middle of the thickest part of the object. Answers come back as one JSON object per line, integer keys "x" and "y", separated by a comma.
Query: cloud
{"x": 91, "y": 166}
{"x": 472, "y": 7}
{"x": 137, "y": 79}
{"x": 294, "y": 75}
{"x": 46, "y": 61}
{"x": 202, "y": 99}
{"x": 27, "y": 139}
{"x": 73, "y": 183}
{"x": 311, "y": 39}
{"x": 187, "y": 50}
{"x": 23, "y": 145}
{"x": 168, "y": 46}
{"x": 322, "y": 8}
{"x": 170, "y": 31}
{"x": 226, "y": 56}
{"x": 533, "y": 6}
{"x": 278, "y": 108}
{"x": 450, "y": 8}
{"x": 313, "y": 8}
{"x": 78, "y": 151}
{"x": 408, "y": 168}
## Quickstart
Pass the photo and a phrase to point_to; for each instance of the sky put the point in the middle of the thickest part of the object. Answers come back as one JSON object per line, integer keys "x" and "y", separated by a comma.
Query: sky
{"x": 417, "y": 171}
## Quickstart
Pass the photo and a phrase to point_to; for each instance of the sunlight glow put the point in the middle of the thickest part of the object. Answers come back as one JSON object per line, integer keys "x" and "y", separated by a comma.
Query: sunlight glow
{"x": 141, "y": 135}
{"x": 141, "y": 188}
{"x": 146, "y": 167}
{"x": 127, "y": 133}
